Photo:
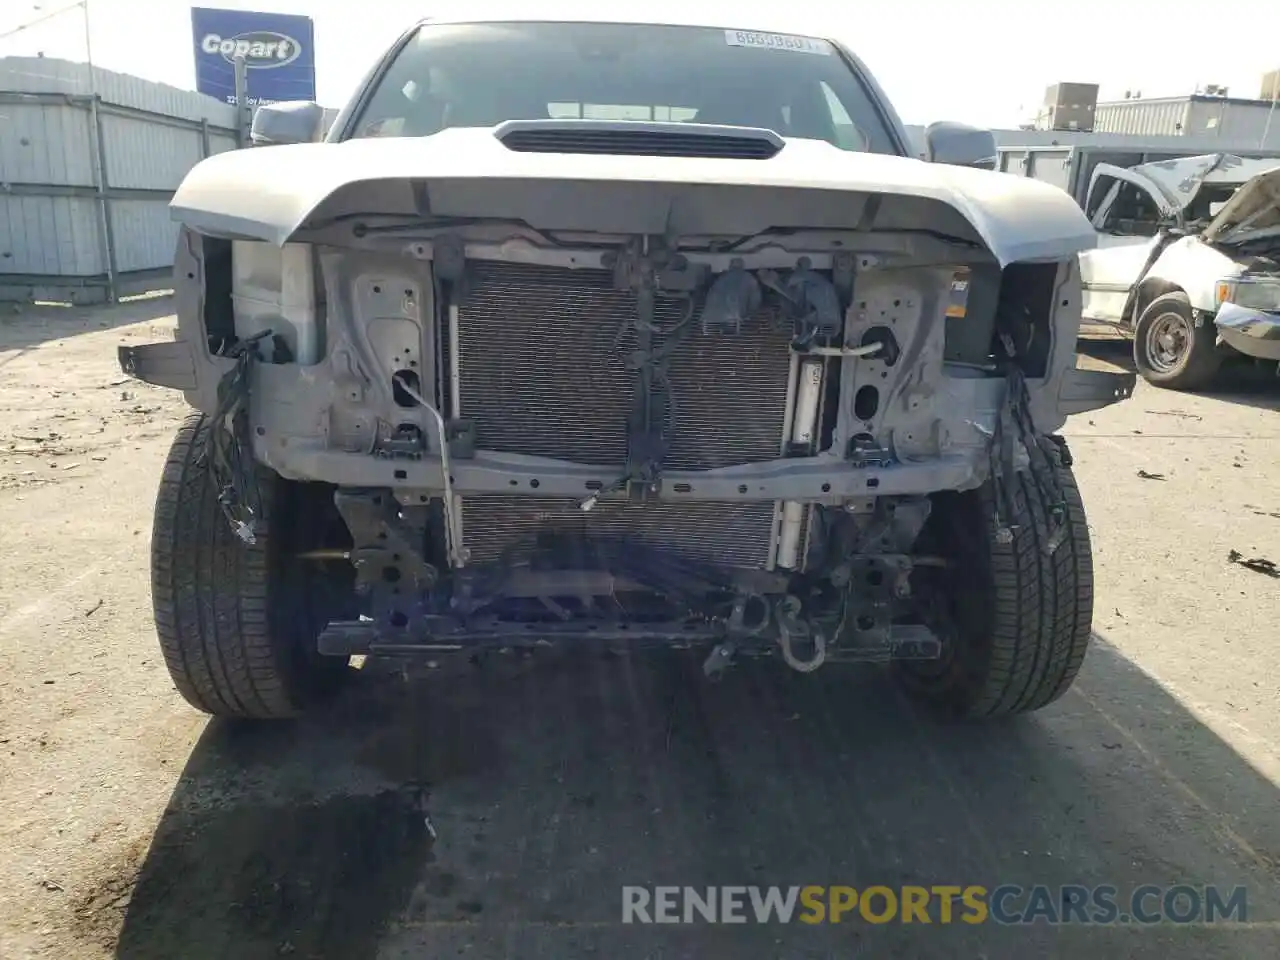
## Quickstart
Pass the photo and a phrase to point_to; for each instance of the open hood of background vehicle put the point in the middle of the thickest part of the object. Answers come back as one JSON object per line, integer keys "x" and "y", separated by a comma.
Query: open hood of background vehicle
{"x": 269, "y": 193}
{"x": 1257, "y": 180}
{"x": 1181, "y": 179}
{"x": 1252, "y": 212}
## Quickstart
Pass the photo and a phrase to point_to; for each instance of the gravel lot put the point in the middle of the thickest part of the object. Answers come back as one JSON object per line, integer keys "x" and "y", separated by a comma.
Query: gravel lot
{"x": 132, "y": 827}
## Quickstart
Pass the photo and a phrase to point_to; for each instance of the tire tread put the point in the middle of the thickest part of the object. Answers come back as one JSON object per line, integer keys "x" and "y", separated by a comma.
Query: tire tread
{"x": 1025, "y": 647}
{"x": 1043, "y": 603}
{"x": 210, "y": 593}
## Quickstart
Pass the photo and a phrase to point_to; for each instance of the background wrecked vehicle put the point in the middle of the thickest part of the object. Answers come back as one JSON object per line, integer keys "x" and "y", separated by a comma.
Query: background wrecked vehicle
{"x": 622, "y": 333}
{"x": 1187, "y": 262}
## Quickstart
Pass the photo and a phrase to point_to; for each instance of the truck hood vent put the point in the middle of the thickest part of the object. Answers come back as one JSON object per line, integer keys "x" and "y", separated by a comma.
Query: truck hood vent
{"x": 635, "y": 138}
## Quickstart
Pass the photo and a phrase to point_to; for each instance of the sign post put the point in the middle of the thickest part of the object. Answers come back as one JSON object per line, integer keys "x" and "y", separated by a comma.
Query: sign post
{"x": 107, "y": 239}
{"x": 278, "y": 52}
{"x": 244, "y": 112}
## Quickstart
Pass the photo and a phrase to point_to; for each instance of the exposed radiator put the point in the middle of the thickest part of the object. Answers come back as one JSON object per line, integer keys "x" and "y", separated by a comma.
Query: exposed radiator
{"x": 541, "y": 359}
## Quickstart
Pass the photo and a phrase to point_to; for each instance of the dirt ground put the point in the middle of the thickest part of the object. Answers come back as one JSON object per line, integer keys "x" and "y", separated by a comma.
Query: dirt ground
{"x": 498, "y": 811}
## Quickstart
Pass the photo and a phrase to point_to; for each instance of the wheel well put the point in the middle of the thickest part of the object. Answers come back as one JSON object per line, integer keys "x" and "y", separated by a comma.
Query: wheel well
{"x": 1148, "y": 290}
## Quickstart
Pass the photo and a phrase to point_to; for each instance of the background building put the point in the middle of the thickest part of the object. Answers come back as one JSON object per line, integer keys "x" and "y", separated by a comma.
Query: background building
{"x": 1200, "y": 115}
{"x": 1209, "y": 114}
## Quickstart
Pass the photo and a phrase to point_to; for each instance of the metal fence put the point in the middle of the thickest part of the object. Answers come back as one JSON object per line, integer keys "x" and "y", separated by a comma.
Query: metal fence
{"x": 87, "y": 170}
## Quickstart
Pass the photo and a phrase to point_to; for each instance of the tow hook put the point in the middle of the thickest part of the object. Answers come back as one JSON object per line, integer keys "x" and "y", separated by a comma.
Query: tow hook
{"x": 789, "y": 626}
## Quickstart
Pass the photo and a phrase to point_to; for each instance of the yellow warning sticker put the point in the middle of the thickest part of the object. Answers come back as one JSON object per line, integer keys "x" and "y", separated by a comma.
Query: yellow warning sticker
{"x": 958, "y": 302}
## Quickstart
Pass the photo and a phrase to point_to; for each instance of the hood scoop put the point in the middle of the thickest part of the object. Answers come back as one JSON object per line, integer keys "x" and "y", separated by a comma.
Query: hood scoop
{"x": 637, "y": 138}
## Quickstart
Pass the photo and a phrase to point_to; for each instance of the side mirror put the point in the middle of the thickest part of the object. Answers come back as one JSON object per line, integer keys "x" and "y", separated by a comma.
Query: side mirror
{"x": 292, "y": 121}
{"x": 960, "y": 145}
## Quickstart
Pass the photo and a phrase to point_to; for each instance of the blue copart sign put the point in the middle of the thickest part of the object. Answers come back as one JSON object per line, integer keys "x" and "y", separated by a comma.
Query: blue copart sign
{"x": 278, "y": 49}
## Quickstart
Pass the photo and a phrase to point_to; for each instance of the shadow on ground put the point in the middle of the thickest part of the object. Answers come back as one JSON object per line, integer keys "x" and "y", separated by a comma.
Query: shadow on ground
{"x": 1241, "y": 380}
{"x": 499, "y": 810}
{"x": 25, "y": 326}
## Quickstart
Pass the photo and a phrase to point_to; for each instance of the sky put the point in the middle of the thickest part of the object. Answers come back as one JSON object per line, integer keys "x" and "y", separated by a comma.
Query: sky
{"x": 984, "y": 62}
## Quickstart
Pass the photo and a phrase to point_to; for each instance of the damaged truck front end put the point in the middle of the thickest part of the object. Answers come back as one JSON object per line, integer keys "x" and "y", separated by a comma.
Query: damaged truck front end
{"x": 623, "y": 383}
{"x": 628, "y": 411}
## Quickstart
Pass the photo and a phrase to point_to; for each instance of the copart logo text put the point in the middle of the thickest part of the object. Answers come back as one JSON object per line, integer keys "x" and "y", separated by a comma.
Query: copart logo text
{"x": 261, "y": 49}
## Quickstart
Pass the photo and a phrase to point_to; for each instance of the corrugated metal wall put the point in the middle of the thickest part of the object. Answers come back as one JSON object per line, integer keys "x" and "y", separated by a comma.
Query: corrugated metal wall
{"x": 1149, "y": 118}
{"x": 63, "y": 233}
{"x": 1202, "y": 118}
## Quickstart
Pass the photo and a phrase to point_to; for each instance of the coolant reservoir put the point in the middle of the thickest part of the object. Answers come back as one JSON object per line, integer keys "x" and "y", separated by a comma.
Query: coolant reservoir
{"x": 273, "y": 288}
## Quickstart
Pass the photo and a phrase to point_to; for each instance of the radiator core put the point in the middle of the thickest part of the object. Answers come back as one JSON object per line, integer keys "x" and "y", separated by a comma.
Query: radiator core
{"x": 542, "y": 361}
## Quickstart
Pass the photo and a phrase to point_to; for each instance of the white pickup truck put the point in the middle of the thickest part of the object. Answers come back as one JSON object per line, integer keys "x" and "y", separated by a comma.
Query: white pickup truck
{"x": 1187, "y": 263}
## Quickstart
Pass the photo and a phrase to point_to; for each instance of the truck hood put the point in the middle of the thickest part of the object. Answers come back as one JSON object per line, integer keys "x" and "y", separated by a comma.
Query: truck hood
{"x": 1253, "y": 210}
{"x": 270, "y": 193}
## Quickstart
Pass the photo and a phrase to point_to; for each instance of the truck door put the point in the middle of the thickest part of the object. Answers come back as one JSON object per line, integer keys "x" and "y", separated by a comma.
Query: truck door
{"x": 1128, "y": 211}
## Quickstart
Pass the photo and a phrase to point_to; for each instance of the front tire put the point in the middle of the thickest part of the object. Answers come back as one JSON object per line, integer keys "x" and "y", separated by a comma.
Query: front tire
{"x": 238, "y": 622}
{"x": 1015, "y": 618}
{"x": 1169, "y": 350}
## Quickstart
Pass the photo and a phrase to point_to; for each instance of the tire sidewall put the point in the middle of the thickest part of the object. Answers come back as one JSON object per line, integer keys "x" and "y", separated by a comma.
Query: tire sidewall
{"x": 1198, "y": 361}
{"x": 960, "y": 528}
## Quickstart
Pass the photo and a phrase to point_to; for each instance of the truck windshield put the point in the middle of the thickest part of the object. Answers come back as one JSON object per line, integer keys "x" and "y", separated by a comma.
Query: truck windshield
{"x": 478, "y": 75}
